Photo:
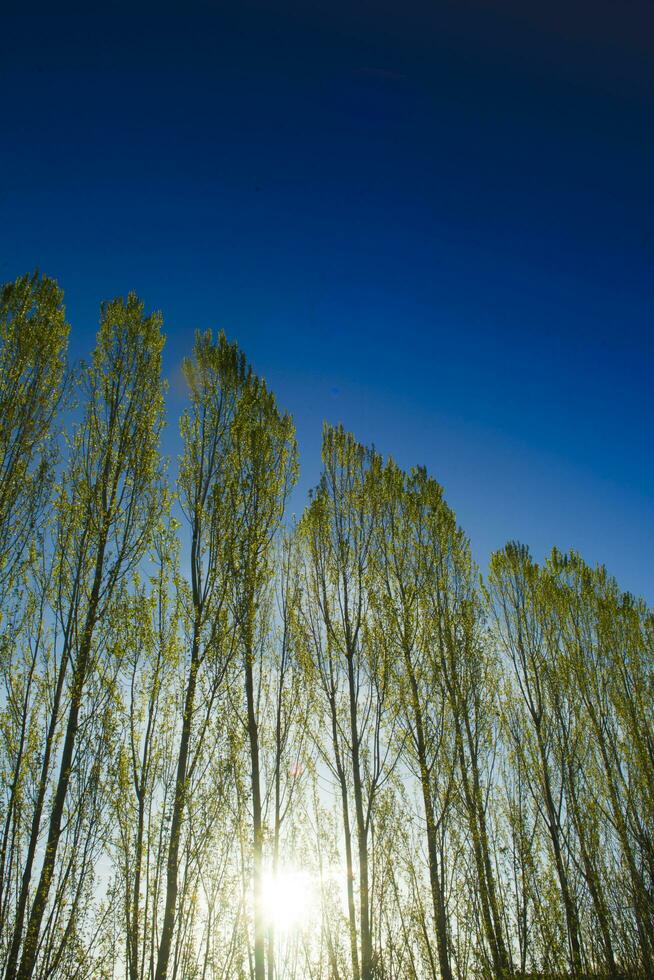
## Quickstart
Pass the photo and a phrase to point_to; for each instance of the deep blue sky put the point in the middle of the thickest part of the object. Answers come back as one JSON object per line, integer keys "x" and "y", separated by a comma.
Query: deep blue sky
{"x": 434, "y": 223}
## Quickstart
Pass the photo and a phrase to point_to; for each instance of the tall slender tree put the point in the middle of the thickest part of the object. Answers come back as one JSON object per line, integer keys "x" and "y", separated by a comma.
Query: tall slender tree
{"x": 108, "y": 508}
{"x": 406, "y": 559}
{"x": 520, "y": 594}
{"x": 469, "y": 674}
{"x": 262, "y": 467}
{"x": 217, "y": 375}
{"x": 338, "y": 528}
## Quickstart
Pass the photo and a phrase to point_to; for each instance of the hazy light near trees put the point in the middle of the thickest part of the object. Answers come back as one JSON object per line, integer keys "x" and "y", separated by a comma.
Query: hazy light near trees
{"x": 289, "y": 898}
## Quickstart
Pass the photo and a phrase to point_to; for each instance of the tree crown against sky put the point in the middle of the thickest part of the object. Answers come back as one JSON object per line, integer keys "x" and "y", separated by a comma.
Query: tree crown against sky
{"x": 457, "y": 194}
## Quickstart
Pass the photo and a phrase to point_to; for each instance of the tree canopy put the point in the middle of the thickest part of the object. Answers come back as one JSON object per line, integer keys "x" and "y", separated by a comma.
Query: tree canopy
{"x": 233, "y": 745}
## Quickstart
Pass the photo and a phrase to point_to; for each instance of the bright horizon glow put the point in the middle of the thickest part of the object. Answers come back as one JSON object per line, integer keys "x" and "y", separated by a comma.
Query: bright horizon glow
{"x": 288, "y": 899}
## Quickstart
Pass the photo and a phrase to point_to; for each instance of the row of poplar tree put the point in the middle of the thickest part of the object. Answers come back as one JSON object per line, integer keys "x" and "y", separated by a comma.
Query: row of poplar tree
{"x": 196, "y": 695}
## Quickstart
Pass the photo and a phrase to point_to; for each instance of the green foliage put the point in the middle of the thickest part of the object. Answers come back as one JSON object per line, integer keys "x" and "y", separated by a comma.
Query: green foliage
{"x": 33, "y": 341}
{"x": 198, "y": 703}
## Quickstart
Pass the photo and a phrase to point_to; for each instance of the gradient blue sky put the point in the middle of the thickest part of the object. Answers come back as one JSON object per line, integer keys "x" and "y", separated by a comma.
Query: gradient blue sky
{"x": 433, "y": 223}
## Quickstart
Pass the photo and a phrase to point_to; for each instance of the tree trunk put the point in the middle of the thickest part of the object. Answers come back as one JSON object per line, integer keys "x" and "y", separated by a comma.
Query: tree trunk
{"x": 253, "y": 736}
{"x": 179, "y": 805}
{"x": 347, "y": 834}
{"x": 12, "y": 958}
{"x": 362, "y": 834}
{"x": 438, "y": 898}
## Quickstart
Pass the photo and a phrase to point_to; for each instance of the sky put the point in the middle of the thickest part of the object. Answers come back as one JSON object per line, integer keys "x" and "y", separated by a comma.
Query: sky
{"x": 433, "y": 223}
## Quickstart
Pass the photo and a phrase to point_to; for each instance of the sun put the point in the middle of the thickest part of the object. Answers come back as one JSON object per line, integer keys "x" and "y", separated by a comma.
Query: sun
{"x": 288, "y": 899}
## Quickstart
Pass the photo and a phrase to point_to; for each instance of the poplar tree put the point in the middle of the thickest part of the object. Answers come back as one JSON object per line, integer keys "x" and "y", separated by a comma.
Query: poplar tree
{"x": 216, "y": 375}
{"x": 469, "y": 674}
{"x": 607, "y": 650}
{"x": 520, "y": 594}
{"x": 107, "y": 509}
{"x": 338, "y": 531}
{"x": 410, "y": 519}
{"x": 262, "y": 470}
